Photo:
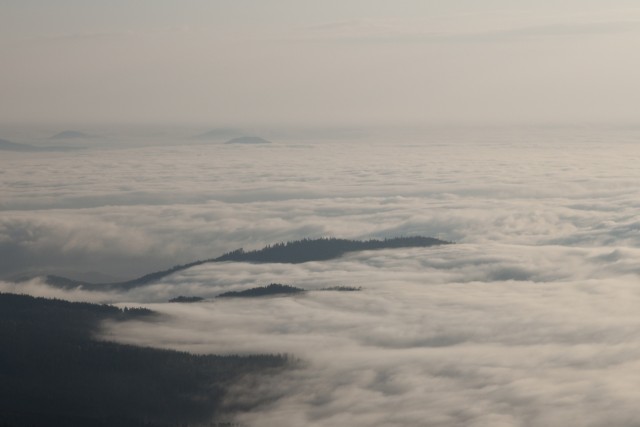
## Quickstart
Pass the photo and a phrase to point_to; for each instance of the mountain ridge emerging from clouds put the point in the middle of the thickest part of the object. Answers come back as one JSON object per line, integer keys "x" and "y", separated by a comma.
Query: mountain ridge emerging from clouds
{"x": 263, "y": 291}
{"x": 71, "y": 134}
{"x": 7, "y": 145}
{"x": 248, "y": 140}
{"x": 55, "y": 373}
{"x": 14, "y": 146}
{"x": 218, "y": 134}
{"x": 278, "y": 289}
{"x": 294, "y": 252}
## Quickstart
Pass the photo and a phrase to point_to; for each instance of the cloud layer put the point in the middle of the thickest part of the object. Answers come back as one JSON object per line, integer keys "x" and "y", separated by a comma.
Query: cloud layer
{"x": 530, "y": 319}
{"x": 464, "y": 335}
{"x": 124, "y": 212}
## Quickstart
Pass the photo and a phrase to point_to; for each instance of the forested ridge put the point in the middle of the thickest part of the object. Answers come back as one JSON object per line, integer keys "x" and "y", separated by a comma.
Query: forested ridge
{"x": 54, "y": 373}
{"x": 262, "y": 291}
{"x": 306, "y": 250}
{"x": 274, "y": 289}
{"x": 293, "y": 252}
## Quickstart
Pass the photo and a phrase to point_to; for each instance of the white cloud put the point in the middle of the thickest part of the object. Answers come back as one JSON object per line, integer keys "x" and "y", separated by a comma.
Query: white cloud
{"x": 125, "y": 212}
{"x": 530, "y": 319}
{"x": 441, "y": 341}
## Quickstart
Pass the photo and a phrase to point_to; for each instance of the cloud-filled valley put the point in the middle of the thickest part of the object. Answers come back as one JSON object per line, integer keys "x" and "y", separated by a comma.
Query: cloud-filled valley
{"x": 438, "y": 336}
{"x": 529, "y": 319}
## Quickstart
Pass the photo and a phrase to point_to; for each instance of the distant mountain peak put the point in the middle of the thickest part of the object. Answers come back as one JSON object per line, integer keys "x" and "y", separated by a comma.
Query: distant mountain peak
{"x": 248, "y": 140}
{"x": 13, "y": 146}
{"x": 219, "y": 134}
{"x": 70, "y": 134}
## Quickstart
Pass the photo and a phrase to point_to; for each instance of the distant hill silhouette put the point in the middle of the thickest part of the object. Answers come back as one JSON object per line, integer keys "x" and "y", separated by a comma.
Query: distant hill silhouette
{"x": 183, "y": 299}
{"x": 13, "y": 146}
{"x": 295, "y": 252}
{"x": 279, "y": 289}
{"x": 71, "y": 134}
{"x": 342, "y": 288}
{"x": 219, "y": 134}
{"x": 248, "y": 140}
{"x": 263, "y": 291}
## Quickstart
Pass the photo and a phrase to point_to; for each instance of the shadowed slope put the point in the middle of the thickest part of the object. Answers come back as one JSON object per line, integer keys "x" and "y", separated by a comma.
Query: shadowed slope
{"x": 53, "y": 373}
{"x": 295, "y": 252}
{"x": 263, "y": 291}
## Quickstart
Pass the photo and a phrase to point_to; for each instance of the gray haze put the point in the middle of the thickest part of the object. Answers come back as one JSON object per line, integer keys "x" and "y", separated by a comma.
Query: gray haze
{"x": 329, "y": 62}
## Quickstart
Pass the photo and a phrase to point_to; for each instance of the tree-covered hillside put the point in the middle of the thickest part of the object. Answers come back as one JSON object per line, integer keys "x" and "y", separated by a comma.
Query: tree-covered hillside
{"x": 295, "y": 252}
{"x": 263, "y": 291}
{"x": 53, "y": 373}
{"x": 306, "y": 250}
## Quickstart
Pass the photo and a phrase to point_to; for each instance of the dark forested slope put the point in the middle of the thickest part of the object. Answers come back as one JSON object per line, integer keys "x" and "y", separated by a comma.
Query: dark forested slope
{"x": 53, "y": 373}
{"x": 263, "y": 291}
{"x": 323, "y": 249}
{"x": 295, "y": 252}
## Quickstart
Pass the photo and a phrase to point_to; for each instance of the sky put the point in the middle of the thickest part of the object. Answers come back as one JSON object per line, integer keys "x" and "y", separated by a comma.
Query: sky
{"x": 318, "y": 63}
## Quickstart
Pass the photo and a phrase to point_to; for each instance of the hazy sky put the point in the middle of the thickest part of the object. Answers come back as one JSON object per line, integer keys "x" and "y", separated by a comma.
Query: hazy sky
{"x": 319, "y": 62}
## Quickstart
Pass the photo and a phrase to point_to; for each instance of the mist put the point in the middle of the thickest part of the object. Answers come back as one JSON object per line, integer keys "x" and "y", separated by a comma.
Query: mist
{"x": 529, "y": 318}
{"x": 102, "y": 207}
{"x": 343, "y": 63}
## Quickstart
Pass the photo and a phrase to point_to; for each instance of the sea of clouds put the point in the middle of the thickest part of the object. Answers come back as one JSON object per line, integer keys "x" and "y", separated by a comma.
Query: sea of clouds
{"x": 530, "y": 319}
